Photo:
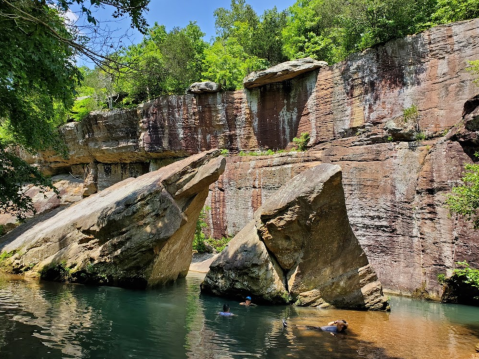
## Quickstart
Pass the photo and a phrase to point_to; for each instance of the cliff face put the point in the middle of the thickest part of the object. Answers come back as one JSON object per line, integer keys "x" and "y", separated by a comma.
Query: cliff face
{"x": 354, "y": 111}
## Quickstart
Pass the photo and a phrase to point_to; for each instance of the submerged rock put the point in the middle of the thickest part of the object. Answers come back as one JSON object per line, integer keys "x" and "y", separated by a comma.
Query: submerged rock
{"x": 281, "y": 72}
{"x": 300, "y": 247}
{"x": 138, "y": 232}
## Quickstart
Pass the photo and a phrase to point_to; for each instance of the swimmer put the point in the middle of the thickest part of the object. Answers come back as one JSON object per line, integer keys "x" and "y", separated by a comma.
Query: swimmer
{"x": 226, "y": 311}
{"x": 338, "y": 326}
{"x": 247, "y": 302}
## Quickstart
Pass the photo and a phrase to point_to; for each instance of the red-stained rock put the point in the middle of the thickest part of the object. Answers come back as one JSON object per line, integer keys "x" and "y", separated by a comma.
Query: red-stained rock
{"x": 354, "y": 113}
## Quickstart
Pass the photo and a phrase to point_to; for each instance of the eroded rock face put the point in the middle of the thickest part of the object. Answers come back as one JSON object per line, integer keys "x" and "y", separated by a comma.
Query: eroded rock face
{"x": 204, "y": 87}
{"x": 300, "y": 244}
{"x": 137, "y": 232}
{"x": 282, "y": 72}
{"x": 395, "y": 186}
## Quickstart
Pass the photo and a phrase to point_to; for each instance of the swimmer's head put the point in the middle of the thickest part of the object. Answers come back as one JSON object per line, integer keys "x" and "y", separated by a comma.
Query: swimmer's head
{"x": 226, "y": 308}
{"x": 248, "y": 298}
{"x": 341, "y": 324}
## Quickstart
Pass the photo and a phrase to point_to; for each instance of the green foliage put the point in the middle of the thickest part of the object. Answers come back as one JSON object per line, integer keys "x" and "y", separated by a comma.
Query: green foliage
{"x": 225, "y": 152}
{"x": 330, "y": 30}
{"x": 5, "y": 255}
{"x": 468, "y": 274}
{"x": 302, "y": 141}
{"x": 411, "y": 114}
{"x": 464, "y": 199}
{"x": 420, "y": 136}
{"x": 219, "y": 244}
{"x": 227, "y": 63}
{"x": 390, "y": 138}
{"x": 441, "y": 278}
{"x": 199, "y": 239}
{"x": 36, "y": 71}
{"x": 455, "y": 10}
{"x": 163, "y": 63}
{"x": 474, "y": 69}
{"x": 38, "y": 77}
{"x": 132, "y": 8}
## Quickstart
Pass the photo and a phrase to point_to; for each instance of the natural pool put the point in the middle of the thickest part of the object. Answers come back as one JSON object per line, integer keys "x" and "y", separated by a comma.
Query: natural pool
{"x": 52, "y": 320}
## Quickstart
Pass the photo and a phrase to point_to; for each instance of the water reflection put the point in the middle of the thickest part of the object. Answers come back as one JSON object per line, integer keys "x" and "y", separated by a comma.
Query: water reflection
{"x": 51, "y": 320}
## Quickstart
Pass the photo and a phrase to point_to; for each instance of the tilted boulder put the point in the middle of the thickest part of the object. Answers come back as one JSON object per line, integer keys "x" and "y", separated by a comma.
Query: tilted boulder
{"x": 300, "y": 247}
{"x": 204, "y": 87}
{"x": 281, "y": 72}
{"x": 138, "y": 232}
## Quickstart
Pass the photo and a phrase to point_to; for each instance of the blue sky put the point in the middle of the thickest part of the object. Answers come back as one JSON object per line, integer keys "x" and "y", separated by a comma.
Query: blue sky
{"x": 173, "y": 13}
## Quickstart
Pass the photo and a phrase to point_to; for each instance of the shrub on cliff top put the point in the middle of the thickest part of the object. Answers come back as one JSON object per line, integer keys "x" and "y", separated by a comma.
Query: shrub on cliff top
{"x": 302, "y": 141}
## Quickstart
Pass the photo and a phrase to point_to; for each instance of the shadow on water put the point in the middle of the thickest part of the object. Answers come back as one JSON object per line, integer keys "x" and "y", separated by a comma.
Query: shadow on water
{"x": 52, "y": 320}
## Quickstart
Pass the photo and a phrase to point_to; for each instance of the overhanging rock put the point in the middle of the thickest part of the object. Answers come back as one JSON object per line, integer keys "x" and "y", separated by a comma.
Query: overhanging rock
{"x": 282, "y": 72}
{"x": 300, "y": 248}
{"x": 137, "y": 232}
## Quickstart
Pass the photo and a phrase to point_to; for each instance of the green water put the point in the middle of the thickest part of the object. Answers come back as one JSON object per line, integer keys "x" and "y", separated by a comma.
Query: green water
{"x": 52, "y": 320}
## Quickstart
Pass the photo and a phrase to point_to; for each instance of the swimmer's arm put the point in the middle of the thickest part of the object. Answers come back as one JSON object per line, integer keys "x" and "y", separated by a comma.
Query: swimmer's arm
{"x": 242, "y": 303}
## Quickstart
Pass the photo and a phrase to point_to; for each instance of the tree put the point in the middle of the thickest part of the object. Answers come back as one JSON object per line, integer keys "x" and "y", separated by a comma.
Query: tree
{"x": 227, "y": 63}
{"x": 163, "y": 63}
{"x": 38, "y": 77}
{"x": 268, "y": 39}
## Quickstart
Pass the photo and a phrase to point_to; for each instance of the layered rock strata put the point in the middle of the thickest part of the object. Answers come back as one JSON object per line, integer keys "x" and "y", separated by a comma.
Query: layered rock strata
{"x": 299, "y": 247}
{"x": 354, "y": 111}
{"x": 137, "y": 232}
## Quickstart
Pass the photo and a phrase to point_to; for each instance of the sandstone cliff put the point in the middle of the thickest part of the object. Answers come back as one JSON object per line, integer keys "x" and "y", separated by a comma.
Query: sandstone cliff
{"x": 299, "y": 247}
{"x": 137, "y": 232}
{"x": 354, "y": 111}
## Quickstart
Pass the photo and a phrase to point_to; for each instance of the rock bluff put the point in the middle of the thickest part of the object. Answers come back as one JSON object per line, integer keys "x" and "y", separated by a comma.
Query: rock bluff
{"x": 396, "y": 172}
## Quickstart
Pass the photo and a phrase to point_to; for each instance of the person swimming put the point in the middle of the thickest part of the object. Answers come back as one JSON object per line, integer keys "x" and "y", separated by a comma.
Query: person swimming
{"x": 338, "y": 326}
{"x": 226, "y": 311}
{"x": 248, "y": 302}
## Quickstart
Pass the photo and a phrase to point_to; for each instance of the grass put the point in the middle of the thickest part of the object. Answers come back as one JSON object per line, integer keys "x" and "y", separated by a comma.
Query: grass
{"x": 420, "y": 136}
{"x": 411, "y": 114}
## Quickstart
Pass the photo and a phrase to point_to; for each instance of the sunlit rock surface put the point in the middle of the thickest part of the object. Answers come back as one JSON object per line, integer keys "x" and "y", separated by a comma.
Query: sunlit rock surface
{"x": 204, "y": 87}
{"x": 300, "y": 242}
{"x": 137, "y": 232}
{"x": 282, "y": 72}
{"x": 394, "y": 185}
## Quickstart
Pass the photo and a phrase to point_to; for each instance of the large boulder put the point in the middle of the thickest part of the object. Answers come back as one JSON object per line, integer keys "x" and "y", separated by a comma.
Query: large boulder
{"x": 281, "y": 72}
{"x": 204, "y": 87}
{"x": 300, "y": 247}
{"x": 138, "y": 232}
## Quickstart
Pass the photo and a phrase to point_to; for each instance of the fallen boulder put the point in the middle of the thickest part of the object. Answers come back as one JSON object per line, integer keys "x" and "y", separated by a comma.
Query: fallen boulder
{"x": 281, "y": 72}
{"x": 299, "y": 248}
{"x": 137, "y": 232}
